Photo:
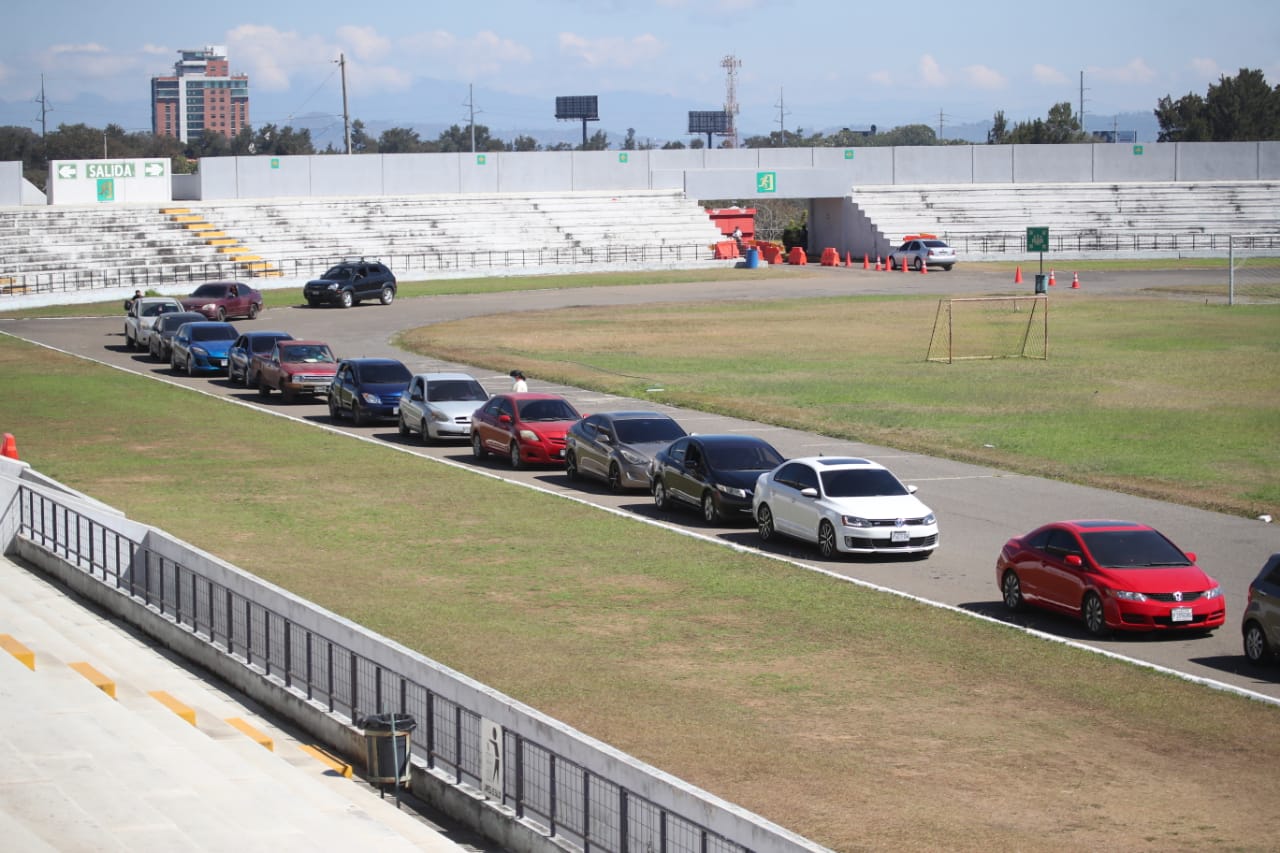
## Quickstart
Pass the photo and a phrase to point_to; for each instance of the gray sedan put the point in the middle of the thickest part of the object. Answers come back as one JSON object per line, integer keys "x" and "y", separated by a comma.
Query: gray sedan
{"x": 617, "y": 447}
{"x": 440, "y": 405}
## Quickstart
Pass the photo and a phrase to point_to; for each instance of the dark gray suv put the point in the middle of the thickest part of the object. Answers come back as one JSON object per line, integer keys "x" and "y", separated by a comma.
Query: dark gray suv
{"x": 351, "y": 282}
{"x": 1261, "y": 623}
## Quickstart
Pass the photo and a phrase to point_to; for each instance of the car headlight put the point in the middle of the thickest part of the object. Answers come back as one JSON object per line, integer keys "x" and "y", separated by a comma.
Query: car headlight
{"x": 631, "y": 457}
{"x": 1126, "y": 595}
{"x": 854, "y": 521}
{"x": 732, "y": 491}
{"x": 529, "y": 435}
{"x": 332, "y": 286}
{"x": 200, "y": 351}
{"x": 371, "y": 399}
{"x": 929, "y": 519}
{"x": 439, "y": 416}
{"x": 212, "y": 306}
{"x": 1216, "y": 592}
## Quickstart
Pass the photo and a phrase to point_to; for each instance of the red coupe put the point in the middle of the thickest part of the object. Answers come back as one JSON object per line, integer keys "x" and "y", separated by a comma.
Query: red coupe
{"x": 1114, "y": 575}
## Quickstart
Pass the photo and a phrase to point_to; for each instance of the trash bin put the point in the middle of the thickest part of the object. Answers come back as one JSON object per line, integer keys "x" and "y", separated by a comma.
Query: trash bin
{"x": 1042, "y": 283}
{"x": 753, "y": 258}
{"x": 386, "y": 738}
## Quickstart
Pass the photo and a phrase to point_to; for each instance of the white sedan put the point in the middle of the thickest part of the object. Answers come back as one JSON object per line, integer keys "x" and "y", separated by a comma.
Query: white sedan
{"x": 844, "y": 505}
{"x": 439, "y": 405}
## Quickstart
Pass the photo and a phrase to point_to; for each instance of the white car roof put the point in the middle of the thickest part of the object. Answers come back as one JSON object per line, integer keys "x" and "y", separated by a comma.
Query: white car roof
{"x": 835, "y": 463}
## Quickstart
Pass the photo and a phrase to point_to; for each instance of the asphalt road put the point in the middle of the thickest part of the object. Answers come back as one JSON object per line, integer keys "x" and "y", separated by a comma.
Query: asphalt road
{"x": 978, "y": 508}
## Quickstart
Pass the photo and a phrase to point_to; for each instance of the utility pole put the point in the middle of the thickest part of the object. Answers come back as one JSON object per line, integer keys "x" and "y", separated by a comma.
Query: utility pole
{"x": 471, "y": 107}
{"x": 44, "y": 118}
{"x": 346, "y": 116}
{"x": 731, "y": 64}
{"x": 782, "y": 118}
{"x": 1082, "y": 102}
{"x": 941, "y": 118}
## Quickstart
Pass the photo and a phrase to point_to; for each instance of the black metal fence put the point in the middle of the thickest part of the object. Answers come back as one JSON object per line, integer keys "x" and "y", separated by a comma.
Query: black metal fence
{"x": 405, "y": 264}
{"x": 1084, "y": 242}
{"x": 572, "y": 803}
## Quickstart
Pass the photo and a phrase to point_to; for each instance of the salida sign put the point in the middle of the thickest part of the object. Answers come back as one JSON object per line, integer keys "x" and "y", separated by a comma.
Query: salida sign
{"x": 109, "y": 181}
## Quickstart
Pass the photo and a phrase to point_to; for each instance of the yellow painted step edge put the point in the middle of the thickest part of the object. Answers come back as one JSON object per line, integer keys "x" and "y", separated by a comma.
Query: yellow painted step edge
{"x": 100, "y": 681}
{"x": 174, "y": 705}
{"x": 24, "y": 655}
{"x": 252, "y": 733}
{"x": 334, "y": 764}
{"x": 172, "y": 210}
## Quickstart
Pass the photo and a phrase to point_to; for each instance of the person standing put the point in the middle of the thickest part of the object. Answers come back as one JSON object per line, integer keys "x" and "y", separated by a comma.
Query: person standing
{"x": 518, "y": 383}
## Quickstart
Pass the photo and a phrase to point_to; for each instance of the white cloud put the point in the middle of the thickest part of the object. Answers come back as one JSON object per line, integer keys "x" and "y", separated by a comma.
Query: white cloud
{"x": 442, "y": 54}
{"x": 881, "y": 78}
{"x": 930, "y": 72}
{"x": 613, "y": 52}
{"x": 1047, "y": 75}
{"x": 1204, "y": 67}
{"x": 1134, "y": 71}
{"x": 272, "y": 58}
{"x": 364, "y": 42}
{"x": 985, "y": 78}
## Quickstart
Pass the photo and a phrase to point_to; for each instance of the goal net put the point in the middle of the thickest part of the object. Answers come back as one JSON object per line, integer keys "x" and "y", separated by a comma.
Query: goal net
{"x": 990, "y": 327}
{"x": 1254, "y": 268}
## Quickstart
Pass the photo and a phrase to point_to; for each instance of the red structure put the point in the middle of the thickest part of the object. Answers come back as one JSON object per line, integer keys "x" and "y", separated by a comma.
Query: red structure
{"x": 729, "y": 218}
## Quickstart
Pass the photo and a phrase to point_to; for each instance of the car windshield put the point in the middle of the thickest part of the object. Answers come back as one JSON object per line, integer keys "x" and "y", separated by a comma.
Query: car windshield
{"x": 742, "y": 457}
{"x": 338, "y": 274}
{"x": 212, "y": 290}
{"x": 646, "y": 430}
{"x": 173, "y": 321}
{"x": 313, "y": 354}
{"x": 462, "y": 390}
{"x": 263, "y": 343}
{"x": 1133, "y": 549}
{"x": 385, "y": 373}
{"x": 157, "y": 308}
{"x": 213, "y": 333}
{"x": 861, "y": 483}
{"x": 547, "y": 410}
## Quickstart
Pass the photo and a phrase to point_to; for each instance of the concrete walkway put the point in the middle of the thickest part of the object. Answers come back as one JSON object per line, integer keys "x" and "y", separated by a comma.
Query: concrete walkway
{"x": 85, "y": 771}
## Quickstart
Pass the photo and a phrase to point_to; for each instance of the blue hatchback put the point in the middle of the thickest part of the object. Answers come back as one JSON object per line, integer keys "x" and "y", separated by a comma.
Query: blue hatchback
{"x": 368, "y": 389}
{"x": 201, "y": 347}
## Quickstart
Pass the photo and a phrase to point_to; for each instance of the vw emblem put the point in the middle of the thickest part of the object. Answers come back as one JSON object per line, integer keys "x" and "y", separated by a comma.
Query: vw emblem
{"x": 899, "y": 522}
{"x": 1177, "y": 596}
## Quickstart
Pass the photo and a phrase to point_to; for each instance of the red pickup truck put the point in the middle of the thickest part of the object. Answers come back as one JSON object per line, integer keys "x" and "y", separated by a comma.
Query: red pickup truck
{"x": 293, "y": 368}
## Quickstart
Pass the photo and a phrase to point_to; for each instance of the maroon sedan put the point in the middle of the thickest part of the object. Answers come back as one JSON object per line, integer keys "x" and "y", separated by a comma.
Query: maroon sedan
{"x": 527, "y": 428}
{"x": 1115, "y": 575}
{"x": 220, "y": 300}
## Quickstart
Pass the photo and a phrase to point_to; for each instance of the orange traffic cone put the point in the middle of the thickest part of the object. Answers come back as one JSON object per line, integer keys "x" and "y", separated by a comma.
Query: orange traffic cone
{"x": 878, "y": 266}
{"x": 1052, "y": 283}
{"x": 866, "y": 262}
{"x": 1017, "y": 276}
{"x": 904, "y": 263}
{"x": 924, "y": 267}
{"x": 1075, "y": 281}
{"x": 10, "y": 446}
{"x": 848, "y": 259}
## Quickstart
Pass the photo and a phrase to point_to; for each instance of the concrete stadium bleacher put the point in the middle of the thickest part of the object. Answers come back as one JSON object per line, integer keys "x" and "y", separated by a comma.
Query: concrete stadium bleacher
{"x": 303, "y": 236}
{"x": 992, "y": 219}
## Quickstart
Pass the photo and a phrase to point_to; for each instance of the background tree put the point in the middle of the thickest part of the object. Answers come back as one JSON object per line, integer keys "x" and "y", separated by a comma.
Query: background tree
{"x": 673, "y": 145}
{"x": 999, "y": 132}
{"x": 599, "y": 141}
{"x": 1061, "y": 127}
{"x": 629, "y": 143}
{"x": 361, "y": 141}
{"x": 1241, "y": 109}
{"x": 398, "y": 140}
{"x": 524, "y": 143}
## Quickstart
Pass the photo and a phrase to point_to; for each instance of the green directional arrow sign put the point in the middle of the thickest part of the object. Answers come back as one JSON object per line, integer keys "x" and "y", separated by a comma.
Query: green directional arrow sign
{"x": 67, "y": 171}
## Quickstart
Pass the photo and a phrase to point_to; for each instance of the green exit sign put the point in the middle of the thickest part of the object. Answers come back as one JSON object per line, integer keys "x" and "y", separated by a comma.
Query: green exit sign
{"x": 766, "y": 182}
{"x": 1037, "y": 239}
{"x": 848, "y": 153}
{"x": 1137, "y": 151}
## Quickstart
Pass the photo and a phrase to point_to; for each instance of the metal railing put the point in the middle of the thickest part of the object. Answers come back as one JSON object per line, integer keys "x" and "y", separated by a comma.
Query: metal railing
{"x": 405, "y": 264}
{"x": 1084, "y": 242}
{"x": 570, "y": 802}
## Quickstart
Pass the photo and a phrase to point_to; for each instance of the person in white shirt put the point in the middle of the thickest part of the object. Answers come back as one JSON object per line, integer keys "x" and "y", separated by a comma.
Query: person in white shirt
{"x": 518, "y": 382}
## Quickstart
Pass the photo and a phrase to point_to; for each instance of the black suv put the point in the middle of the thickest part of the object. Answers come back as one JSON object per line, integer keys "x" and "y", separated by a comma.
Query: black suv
{"x": 350, "y": 282}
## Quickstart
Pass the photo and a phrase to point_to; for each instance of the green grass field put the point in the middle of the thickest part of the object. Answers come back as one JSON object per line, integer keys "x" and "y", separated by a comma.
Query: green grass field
{"x": 860, "y": 720}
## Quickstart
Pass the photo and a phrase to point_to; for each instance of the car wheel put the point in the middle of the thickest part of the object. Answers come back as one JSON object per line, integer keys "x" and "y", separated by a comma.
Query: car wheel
{"x": 129, "y": 342}
{"x": 764, "y": 523}
{"x": 477, "y": 446}
{"x": 1256, "y": 648}
{"x": 1095, "y": 620}
{"x": 313, "y": 303}
{"x": 387, "y": 296}
{"x": 359, "y": 416}
{"x": 401, "y": 427}
{"x": 710, "y": 513}
{"x": 917, "y": 264}
{"x": 253, "y": 310}
{"x": 571, "y": 466}
{"x": 264, "y": 390}
{"x": 191, "y": 366}
{"x": 426, "y": 433}
{"x": 173, "y": 363}
{"x": 222, "y": 315}
{"x": 1011, "y": 590}
{"x": 513, "y": 453}
{"x": 335, "y": 414}
{"x": 347, "y": 299}
{"x": 827, "y": 539}
{"x": 947, "y": 268}
{"x": 286, "y": 394}
{"x": 615, "y": 478}
{"x": 660, "y": 498}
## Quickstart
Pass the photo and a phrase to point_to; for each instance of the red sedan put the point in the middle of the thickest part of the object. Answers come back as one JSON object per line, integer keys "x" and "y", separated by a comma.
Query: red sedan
{"x": 1115, "y": 575}
{"x": 525, "y": 427}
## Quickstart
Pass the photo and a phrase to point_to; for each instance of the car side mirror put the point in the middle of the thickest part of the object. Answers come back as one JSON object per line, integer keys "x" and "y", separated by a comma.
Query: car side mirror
{"x": 809, "y": 492}
{"x": 911, "y": 490}
{"x": 604, "y": 438}
{"x": 504, "y": 419}
{"x": 1073, "y": 560}
{"x": 1191, "y": 555}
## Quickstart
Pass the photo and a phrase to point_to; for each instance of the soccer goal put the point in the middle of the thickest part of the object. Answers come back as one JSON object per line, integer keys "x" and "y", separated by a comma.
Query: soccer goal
{"x": 990, "y": 327}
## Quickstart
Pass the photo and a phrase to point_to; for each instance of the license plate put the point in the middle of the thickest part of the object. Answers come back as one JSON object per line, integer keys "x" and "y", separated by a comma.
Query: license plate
{"x": 221, "y": 362}
{"x": 899, "y": 535}
{"x": 1180, "y": 614}
{"x": 560, "y": 453}
{"x": 395, "y": 410}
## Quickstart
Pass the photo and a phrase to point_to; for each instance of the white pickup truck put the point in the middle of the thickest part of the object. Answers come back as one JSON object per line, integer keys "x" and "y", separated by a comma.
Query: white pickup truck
{"x": 142, "y": 315}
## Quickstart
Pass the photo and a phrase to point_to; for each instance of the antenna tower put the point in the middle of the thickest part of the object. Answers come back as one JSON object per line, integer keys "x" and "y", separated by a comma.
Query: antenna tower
{"x": 731, "y": 64}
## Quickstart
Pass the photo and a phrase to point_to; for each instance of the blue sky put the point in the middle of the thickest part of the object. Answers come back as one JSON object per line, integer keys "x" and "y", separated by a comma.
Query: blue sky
{"x": 805, "y": 64}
